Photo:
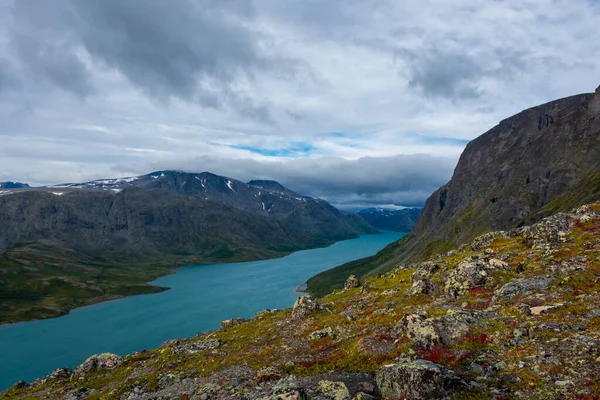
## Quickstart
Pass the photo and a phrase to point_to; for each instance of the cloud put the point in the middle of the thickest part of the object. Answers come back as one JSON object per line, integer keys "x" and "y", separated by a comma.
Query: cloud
{"x": 403, "y": 180}
{"x": 360, "y": 102}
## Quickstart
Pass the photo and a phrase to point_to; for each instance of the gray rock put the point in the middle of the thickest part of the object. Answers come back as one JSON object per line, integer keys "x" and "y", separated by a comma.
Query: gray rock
{"x": 351, "y": 283}
{"x": 228, "y": 323}
{"x": 322, "y": 333}
{"x": 419, "y": 380}
{"x": 471, "y": 273}
{"x": 304, "y": 306}
{"x": 520, "y": 287}
{"x": 193, "y": 348}
{"x": 427, "y": 332}
{"x": 99, "y": 362}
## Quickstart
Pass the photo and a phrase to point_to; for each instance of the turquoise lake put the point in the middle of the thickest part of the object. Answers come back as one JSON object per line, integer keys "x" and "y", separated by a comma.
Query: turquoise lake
{"x": 201, "y": 296}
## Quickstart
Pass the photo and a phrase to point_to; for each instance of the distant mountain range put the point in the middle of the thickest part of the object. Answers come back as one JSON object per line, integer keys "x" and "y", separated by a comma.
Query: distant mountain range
{"x": 400, "y": 220}
{"x": 13, "y": 185}
{"x": 165, "y": 218}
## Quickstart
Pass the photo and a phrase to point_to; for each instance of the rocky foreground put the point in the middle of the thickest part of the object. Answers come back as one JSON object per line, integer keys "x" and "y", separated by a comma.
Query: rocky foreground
{"x": 513, "y": 315}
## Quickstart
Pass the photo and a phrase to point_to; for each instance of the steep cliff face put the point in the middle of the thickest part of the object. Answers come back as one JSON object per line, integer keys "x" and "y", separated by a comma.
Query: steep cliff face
{"x": 541, "y": 161}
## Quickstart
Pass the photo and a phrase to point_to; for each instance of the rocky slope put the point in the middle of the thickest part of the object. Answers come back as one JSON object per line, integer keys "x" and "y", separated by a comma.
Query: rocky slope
{"x": 403, "y": 220}
{"x": 73, "y": 244}
{"x": 541, "y": 161}
{"x": 512, "y": 315}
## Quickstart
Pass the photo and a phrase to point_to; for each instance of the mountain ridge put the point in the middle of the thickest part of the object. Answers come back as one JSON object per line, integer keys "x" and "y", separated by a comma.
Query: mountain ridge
{"x": 167, "y": 219}
{"x": 543, "y": 160}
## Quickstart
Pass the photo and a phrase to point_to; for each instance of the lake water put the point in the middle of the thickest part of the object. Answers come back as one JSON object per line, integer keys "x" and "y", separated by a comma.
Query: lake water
{"x": 201, "y": 296}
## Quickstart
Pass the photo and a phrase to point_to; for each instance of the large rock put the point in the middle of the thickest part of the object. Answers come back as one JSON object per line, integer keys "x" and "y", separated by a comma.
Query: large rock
{"x": 334, "y": 390}
{"x": 99, "y": 362}
{"x": 521, "y": 287}
{"x": 304, "y": 306}
{"x": 418, "y": 380}
{"x": 427, "y": 332}
{"x": 351, "y": 283}
{"x": 471, "y": 273}
{"x": 228, "y": 323}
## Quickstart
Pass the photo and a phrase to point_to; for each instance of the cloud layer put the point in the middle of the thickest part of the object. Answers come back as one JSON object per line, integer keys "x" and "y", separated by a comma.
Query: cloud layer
{"x": 359, "y": 102}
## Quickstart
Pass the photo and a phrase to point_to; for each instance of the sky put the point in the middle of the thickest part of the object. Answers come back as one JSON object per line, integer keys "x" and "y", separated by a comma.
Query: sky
{"x": 360, "y": 102}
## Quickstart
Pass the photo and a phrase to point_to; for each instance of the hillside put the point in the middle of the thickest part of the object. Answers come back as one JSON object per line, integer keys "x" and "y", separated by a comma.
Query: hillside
{"x": 75, "y": 244}
{"x": 539, "y": 162}
{"x": 402, "y": 220}
{"x": 512, "y": 315}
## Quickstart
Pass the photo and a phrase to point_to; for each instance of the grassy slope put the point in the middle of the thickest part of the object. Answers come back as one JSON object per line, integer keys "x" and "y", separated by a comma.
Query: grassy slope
{"x": 367, "y": 337}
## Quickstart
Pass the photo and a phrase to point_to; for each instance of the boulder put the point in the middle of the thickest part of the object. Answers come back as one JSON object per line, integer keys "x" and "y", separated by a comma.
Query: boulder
{"x": 427, "y": 332}
{"x": 99, "y": 362}
{"x": 521, "y": 287}
{"x": 228, "y": 323}
{"x": 418, "y": 380}
{"x": 485, "y": 240}
{"x": 60, "y": 373}
{"x": 322, "y": 333}
{"x": 471, "y": 273}
{"x": 334, "y": 390}
{"x": 424, "y": 270}
{"x": 193, "y": 348}
{"x": 424, "y": 286}
{"x": 304, "y": 306}
{"x": 547, "y": 232}
{"x": 351, "y": 283}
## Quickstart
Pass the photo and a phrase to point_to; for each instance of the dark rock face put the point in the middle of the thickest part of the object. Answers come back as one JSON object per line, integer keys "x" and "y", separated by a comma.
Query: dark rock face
{"x": 418, "y": 380}
{"x": 173, "y": 213}
{"x": 541, "y": 161}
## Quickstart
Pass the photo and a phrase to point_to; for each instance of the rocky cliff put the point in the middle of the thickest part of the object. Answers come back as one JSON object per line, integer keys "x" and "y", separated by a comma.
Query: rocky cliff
{"x": 541, "y": 161}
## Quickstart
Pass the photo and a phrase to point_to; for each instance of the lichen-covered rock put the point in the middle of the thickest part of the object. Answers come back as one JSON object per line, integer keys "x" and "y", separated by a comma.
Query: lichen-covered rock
{"x": 351, "y": 283}
{"x": 228, "y": 323}
{"x": 424, "y": 270}
{"x": 419, "y": 380}
{"x": 424, "y": 286}
{"x": 471, "y": 273}
{"x": 265, "y": 312}
{"x": 334, "y": 390}
{"x": 60, "y": 373}
{"x": 304, "y": 306}
{"x": 322, "y": 333}
{"x": 426, "y": 332}
{"x": 483, "y": 241}
{"x": 268, "y": 374}
{"x": 99, "y": 362}
{"x": 549, "y": 231}
{"x": 520, "y": 287}
{"x": 196, "y": 347}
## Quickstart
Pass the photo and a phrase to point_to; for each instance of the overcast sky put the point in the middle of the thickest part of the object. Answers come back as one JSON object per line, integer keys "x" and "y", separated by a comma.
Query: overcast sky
{"x": 360, "y": 102}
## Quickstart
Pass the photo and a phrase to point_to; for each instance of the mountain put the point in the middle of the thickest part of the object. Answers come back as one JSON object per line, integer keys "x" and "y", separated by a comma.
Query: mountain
{"x": 13, "y": 185}
{"x": 118, "y": 227}
{"x": 511, "y": 315}
{"x": 402, "y": 220}
{"x": 541, "y": 161}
